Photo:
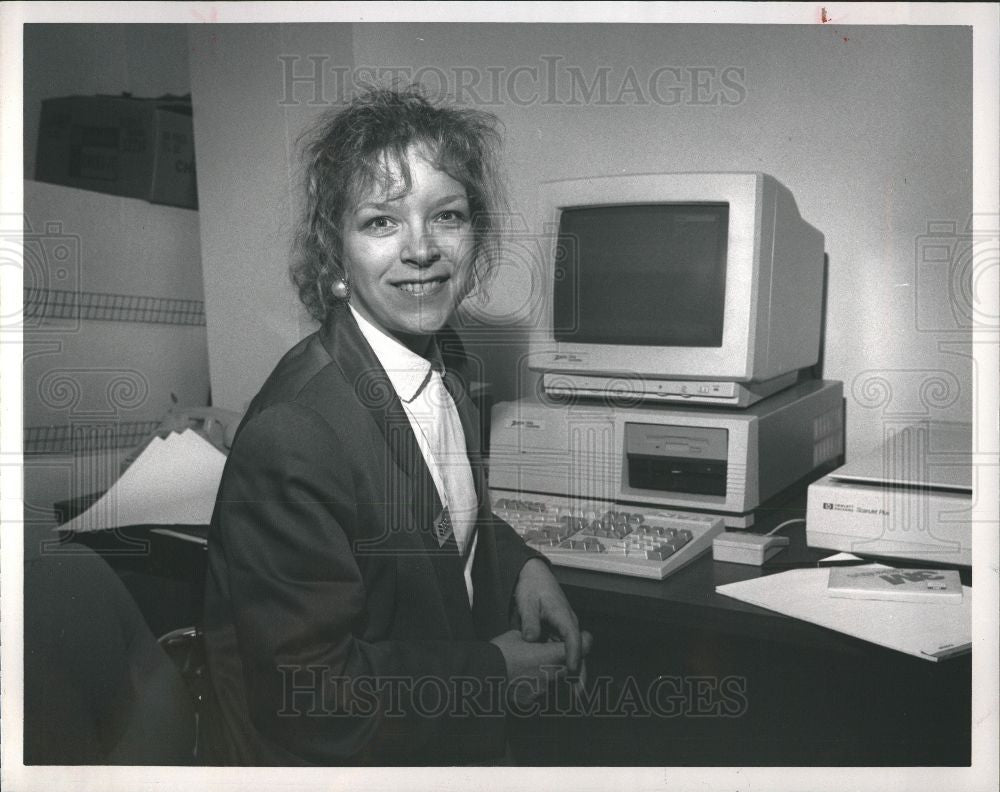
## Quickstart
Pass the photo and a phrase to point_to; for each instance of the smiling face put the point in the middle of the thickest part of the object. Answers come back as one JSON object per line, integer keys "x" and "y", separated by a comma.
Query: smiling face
{"x": 409, "y": 253}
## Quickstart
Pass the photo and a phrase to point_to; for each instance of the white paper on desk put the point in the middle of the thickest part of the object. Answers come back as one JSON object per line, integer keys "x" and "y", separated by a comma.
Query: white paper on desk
{"x": 928, "y": 630}
{"x": 173, "y": 482}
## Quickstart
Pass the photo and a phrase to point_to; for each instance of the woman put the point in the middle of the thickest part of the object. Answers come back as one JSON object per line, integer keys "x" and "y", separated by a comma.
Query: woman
{"x": 360, "y": 595}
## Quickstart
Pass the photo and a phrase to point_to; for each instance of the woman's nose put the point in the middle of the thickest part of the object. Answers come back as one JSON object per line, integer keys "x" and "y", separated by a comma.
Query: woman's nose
{"x": 421, "y": 249}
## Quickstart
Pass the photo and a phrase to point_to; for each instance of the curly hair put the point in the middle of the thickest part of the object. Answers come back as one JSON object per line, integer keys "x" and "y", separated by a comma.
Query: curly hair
{"x": 351, "y": 150}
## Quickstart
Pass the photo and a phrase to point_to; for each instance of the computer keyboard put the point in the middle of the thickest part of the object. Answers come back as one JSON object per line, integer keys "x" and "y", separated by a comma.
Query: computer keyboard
{"x": 607, "y": 537}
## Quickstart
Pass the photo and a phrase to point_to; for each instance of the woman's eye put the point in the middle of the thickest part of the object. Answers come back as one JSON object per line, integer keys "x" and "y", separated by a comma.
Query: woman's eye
{"x": 380, "y": 223}
{"x": 451, "y": 217}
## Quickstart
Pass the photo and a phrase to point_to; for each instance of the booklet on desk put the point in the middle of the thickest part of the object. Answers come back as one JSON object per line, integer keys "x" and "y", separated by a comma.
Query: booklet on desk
{"x": 904, "y": 585}
{"x": 173, "y": 482}
{"x": 930, "y": 630}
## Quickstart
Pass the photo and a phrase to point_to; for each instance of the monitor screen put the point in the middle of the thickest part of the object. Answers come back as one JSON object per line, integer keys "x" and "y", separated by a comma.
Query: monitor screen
{"x": 643, "y": 274}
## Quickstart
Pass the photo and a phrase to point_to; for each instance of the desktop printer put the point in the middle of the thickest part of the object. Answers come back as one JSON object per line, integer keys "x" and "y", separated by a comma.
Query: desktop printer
{"x": 911, "y": 498}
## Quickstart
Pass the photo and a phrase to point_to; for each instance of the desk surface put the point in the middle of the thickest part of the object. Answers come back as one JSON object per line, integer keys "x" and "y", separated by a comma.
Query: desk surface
{"x": 688, "y": 596}
{"x": 814, "y": 696}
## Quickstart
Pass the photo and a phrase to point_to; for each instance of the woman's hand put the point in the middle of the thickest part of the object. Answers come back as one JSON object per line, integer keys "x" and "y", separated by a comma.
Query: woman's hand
{"x": 533, "y": 666}
{"x": 541, "y": 604}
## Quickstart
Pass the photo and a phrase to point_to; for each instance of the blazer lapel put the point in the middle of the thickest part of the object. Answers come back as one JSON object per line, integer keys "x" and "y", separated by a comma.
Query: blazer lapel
{"x": 346, "y": 345}
{"x": 348, "y": 348}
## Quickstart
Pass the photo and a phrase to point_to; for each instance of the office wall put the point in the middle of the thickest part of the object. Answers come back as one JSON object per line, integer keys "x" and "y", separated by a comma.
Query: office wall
{"x": 869, "y": 127}
{"x": 247, "y": 171}
{"x": 97, "y": 382}
{"x": 106, "y": 255}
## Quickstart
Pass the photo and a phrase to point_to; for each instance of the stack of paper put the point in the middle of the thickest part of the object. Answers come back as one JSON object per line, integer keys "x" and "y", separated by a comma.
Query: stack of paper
{"x": 173, "y": 482}
{"x": 932, "y": 631}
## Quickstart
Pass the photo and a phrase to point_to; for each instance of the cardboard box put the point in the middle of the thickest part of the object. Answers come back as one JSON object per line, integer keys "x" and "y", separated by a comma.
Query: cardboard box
{"x": 138, "y": 148}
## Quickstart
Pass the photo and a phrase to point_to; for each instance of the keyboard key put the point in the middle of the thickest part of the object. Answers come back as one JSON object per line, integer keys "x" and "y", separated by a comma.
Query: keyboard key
{"x": 660, "y": 553}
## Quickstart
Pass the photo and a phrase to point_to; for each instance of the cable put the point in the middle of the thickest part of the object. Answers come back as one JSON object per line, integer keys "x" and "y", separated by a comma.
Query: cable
{"x": 786, "y": 522}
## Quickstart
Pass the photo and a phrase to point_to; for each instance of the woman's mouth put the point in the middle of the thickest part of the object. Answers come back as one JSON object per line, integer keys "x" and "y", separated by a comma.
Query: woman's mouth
{"x": 423, "y": 288}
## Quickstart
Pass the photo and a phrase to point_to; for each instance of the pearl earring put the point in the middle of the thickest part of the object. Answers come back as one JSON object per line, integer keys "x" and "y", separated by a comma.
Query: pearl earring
{"x": 341, "y": 289}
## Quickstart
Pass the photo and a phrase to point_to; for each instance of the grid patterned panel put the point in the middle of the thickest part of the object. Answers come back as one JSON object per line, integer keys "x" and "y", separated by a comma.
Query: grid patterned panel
{"x": 58, "y": 304}
{"x": 86, "y": 438}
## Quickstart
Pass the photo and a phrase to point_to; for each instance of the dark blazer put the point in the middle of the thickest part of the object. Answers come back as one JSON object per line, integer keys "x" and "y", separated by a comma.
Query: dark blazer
{"x": 337, "y": 630}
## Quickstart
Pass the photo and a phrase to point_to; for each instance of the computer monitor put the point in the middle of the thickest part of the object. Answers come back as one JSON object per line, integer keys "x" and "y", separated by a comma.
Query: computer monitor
{"x": 699, "y": 287}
